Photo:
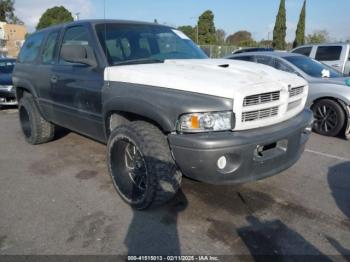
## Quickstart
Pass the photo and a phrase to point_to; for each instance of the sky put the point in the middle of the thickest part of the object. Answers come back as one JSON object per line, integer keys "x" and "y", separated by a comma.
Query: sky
{"x": 256, "y": 16}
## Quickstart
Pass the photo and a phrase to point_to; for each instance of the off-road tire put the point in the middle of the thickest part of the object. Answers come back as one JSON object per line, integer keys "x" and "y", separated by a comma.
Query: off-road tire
{"x": 163, "y": 178}
{"x": 35, "y": 128}
{"x": 338, "y": 119}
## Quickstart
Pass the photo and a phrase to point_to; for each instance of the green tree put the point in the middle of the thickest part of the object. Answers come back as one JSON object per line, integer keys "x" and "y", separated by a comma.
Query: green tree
{"x": 300, "y": 33}
{"x": 54, "y": 16}
{"x": 318, "y": 37}
{"x": 7, "y": 12}
{"x": 189, "y": 31}
{"x": 279, "y": 32}
{"x": 206, "y": 28}
{"x": 240, "y": 38}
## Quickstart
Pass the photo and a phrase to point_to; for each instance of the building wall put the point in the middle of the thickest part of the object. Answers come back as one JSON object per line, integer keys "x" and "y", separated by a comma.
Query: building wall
{"x": 13, "y": 38}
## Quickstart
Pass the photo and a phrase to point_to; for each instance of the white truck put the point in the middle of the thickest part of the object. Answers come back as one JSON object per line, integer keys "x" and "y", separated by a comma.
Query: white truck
{"x": 334, "y": 55}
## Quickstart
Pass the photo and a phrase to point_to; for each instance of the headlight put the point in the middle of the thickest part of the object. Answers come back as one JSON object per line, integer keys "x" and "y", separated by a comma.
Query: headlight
{"x": 205, "y": 122}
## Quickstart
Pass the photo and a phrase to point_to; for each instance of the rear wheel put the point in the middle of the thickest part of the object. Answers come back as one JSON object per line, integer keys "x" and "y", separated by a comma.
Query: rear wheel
{"x": 35, "y": 128}
{"x": 141, "y": 166}
{"x": 329, "y": 117}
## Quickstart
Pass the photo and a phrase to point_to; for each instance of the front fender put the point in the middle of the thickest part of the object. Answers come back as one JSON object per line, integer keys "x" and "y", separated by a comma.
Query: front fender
{"x": 161, "y": 105}
{"x": 139, "y": 107}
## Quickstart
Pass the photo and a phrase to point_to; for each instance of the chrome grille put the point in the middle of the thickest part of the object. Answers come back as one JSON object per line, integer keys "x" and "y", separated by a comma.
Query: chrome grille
{"x": 296, "y": 91}
{"x": 261, "y": 98}
{"x": 259, "y": 114}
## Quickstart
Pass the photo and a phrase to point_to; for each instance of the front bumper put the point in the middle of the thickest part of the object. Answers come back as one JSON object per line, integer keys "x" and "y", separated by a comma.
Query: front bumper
{"x": 8, "y": 97}
{"x": 280, "y": 146}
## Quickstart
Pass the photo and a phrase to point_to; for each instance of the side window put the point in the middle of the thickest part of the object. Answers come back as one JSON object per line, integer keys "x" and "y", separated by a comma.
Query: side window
{"x": 77, "y": 35}
{"x": 244, "y": 58}
{"x": 303, "y": 51}
{"x": 31, "y": 48}
{"x": 49, "y": 48}
{"x": 264, "y": 60}
{"x": 280, "y": 65}
{"x": 328, "y": 53}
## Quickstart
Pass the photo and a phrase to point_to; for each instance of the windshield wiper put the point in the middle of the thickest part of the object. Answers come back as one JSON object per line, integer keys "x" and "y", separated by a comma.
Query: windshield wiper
{"x": 139, "y": 61}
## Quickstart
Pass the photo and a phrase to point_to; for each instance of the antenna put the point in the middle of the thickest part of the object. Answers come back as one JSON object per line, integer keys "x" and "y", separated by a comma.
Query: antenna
{"x": 105, "y": 39}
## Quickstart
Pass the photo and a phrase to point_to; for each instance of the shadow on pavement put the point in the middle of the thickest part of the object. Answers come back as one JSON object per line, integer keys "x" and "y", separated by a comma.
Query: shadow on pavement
{"x": 60, "y": 132}
{"x": 274, "y": 238}
{"x": 155, "y": 232}
{"x": 339, "y": 183}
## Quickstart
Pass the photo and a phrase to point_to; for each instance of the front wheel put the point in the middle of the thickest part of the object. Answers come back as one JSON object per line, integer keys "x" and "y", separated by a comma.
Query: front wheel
{"x": 329, "y": 117}
{"x": 141, "y": 165}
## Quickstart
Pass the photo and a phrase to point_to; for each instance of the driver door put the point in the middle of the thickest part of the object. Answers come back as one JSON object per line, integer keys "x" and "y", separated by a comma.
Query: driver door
{"x": 76, "y": 89}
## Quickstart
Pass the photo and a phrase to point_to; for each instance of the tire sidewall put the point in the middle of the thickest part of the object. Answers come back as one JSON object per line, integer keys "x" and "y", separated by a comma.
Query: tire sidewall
{"x": 26, "y": 104}
{"x": 125, "y": 133}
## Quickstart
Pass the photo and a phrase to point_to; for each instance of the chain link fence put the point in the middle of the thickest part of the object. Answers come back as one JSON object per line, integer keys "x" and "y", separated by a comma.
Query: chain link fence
{"x": 218, "y": 51}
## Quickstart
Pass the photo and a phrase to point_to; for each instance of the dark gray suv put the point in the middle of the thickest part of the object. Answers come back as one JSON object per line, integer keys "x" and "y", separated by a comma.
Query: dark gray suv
{"x": 162, "y": 107}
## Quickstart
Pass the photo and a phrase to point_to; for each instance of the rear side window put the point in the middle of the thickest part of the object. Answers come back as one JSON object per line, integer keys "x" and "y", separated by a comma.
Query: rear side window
{"x": 77, "y": 35}
{"x": 328, "y": 53}
{"x": 49, "y": 48}
{"x": 244, "y": 58}
{"x": 264, "y": 60}
{"x": 280, "y": 65}
{"x": 303, "y": 51}
{"x": 31, "y": 48}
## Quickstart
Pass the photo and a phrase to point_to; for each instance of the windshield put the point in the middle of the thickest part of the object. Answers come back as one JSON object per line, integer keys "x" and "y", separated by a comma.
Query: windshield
{"x": 139, "y": 44}
{"x": 6, "y": 67}
{"x": 313, "y": 67}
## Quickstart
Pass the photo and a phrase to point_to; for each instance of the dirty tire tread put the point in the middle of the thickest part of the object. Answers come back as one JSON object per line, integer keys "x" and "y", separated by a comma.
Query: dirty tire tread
{"x": 42, "y": 131}
{"x": 160, "y": 164}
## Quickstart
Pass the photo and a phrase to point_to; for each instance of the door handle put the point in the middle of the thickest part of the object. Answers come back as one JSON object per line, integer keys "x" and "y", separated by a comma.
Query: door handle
{"x": 54, "y": 79}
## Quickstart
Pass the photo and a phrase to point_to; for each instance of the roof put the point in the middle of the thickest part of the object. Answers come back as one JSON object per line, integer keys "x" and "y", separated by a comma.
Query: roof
{"x": 324, "y": 44}
{"x": 100, "y": 21}
{"x": 268, "y": 53}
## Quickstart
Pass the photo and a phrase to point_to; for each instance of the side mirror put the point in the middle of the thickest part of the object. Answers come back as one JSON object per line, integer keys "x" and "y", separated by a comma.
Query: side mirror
{"x": 78, "y": 54}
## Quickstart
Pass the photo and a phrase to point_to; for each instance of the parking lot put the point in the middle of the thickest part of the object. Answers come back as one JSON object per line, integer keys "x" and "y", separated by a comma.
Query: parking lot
{"x": 57, "y": 198}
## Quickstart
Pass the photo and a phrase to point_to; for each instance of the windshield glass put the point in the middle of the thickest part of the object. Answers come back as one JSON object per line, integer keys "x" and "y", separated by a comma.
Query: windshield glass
{"x": 139, "y": 44}
{"x": 313, "y": 67}
{"x": 6, "y": 67}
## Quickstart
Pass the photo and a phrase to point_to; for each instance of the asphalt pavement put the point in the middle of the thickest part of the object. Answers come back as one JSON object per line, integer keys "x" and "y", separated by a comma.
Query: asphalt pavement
{"x": 57, "y": 198}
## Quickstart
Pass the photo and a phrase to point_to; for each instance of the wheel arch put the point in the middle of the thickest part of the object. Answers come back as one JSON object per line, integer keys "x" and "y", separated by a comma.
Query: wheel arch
{"x": 134, "y": 111}
{"x": 340, "y": 101}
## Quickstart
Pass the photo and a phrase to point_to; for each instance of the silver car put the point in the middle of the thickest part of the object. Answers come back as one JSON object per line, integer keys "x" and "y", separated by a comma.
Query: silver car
{"x": 329, "y": 92}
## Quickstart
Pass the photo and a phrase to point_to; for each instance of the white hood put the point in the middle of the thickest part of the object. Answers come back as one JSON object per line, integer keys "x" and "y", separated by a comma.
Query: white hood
{"x": 217, "y": 77}
{"x": 222, "y": 78}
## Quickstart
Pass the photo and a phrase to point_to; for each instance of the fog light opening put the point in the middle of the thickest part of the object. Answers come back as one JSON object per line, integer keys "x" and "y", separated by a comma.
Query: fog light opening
{"x": 222, "y": 162}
